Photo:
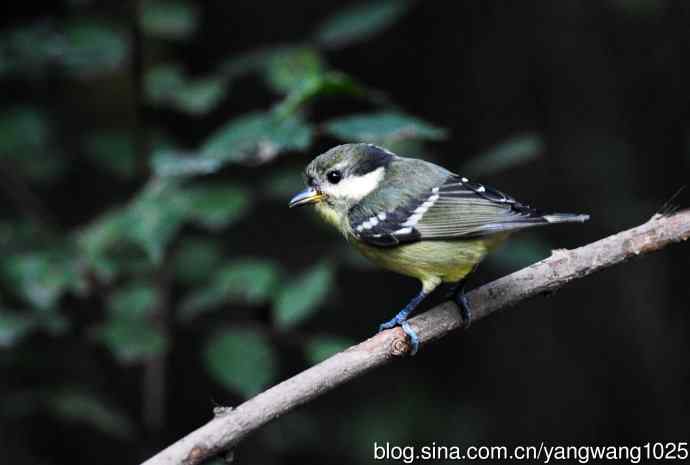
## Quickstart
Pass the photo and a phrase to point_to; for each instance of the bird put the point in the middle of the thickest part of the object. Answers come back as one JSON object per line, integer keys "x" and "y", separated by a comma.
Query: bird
{"x": 415, "y": 218}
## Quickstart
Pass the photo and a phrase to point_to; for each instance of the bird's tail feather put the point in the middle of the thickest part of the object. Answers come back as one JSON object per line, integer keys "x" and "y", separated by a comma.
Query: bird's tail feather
{"x": 534, "y": 218}
{"x": 565, "y": 217}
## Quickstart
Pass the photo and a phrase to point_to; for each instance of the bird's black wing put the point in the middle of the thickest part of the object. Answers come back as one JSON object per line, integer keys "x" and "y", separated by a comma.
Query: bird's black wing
{"x": 456, "y": 208}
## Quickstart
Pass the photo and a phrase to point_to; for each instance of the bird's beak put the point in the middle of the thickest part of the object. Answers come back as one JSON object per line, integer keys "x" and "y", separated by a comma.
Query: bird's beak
{"x": 307, "y": 196}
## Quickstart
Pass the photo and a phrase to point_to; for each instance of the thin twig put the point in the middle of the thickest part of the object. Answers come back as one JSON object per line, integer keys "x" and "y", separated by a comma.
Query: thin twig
{"x": 231, "y": 426}
{"x": 153, "y": 383}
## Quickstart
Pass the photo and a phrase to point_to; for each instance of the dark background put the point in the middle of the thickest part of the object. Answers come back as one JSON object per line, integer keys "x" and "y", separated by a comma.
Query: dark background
{"x": 576, "y": 106}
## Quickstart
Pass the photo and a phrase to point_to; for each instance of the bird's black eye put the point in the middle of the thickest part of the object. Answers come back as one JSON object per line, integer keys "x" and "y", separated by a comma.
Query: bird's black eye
{"x": 334, "y": 176}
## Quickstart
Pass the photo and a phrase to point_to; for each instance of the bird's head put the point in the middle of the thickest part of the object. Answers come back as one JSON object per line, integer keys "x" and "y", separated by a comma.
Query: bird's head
{"x": 344, "y": 175}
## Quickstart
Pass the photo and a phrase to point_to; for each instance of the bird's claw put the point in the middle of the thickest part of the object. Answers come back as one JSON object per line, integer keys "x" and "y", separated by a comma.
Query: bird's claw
{"x": 401, "y": 320}
{"x": 405, "y": 325}
{"x": 392, "y": 323}
{"x": 465, "y": 309}
{"x": 414, "y": 339}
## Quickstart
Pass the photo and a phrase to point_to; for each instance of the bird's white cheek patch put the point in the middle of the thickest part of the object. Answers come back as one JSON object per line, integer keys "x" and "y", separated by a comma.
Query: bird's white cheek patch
{"x": 356, "y": 187}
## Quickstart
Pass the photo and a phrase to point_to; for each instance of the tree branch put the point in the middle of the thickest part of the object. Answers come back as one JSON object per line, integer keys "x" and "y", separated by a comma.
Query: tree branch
{"x": 231, "y": 426}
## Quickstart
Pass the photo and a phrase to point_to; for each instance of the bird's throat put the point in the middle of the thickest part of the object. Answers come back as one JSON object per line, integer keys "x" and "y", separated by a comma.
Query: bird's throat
{"x": 329, "y": 215}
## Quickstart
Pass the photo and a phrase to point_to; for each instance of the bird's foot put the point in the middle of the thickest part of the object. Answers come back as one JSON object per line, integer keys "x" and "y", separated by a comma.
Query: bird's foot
{"x": 392, "y": 323}
{"x": 465, "y": 310}
{"x": 401, "y": 321}
{"x": 414, "y": 339}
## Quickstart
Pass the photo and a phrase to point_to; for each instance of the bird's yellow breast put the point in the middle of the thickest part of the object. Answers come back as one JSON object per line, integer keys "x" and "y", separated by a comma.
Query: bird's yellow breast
{"x": 444, "y": 260}
{"x": 430, "y": 261}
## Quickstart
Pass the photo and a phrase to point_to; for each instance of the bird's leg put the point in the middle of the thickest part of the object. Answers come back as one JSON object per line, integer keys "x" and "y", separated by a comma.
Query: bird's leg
{"x": 404, "y": 313}
{"x": 401, "y": 319}
{"x": 460, "y": 298}
{"x": 458, "y": 294}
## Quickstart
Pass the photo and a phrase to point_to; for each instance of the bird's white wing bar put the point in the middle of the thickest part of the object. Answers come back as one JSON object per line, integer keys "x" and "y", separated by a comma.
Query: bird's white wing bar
{"x": 457, "y": 186}
{"x": 456, "y": 209}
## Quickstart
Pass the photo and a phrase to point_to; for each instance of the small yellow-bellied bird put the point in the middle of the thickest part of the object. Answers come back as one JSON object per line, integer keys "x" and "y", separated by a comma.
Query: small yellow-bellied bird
{"x": 414, "y": 217}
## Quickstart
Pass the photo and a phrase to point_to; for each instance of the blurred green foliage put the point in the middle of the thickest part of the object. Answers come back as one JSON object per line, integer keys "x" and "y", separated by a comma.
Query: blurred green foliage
{"x": 77, "y": 406}
{"x": 257, "y": 138}
{"x": 320, "y": 347}
{"x": 385, "y": 128}
{"x": 13, "y": 327}
{"x": 167, "y": 85}
{"x": 27, "y": 139}
{"x": 70, "y": 405}
{"x": 300, "y": 297}
{"x": 360, "y": 22}
{"x": 174, "y": 20}
{"x": 77, "y": 47}
{"x": 244, "y": 281}
{"x": 242, "y": 359}
{"x": 170, "y": 234}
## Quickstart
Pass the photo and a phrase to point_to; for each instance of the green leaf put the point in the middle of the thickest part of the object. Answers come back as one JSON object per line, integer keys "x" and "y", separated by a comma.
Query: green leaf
{"x": 507, "y": 155}
{"x": 257, "y": 138}
{"x": 76, "y": 406}
{"x": 149, "y": 221}
{"x": 132, "y": 340}
{"x": 79, "y": 48}
{"x": 329, "y": 83}
{"x": 91, "y": 47}
{"x": 135, "y": 301}
{"x": 199, "y": 96}
{"x": 196, "y": 259}
{"x": 41, "y": 277}
{"x": 301, "y": 297}
{"x": 13, "y": 327}
{"x": 242, "y": 360}
{"x": 170, "y": 163}
{"x": 99, "y": 243}
{"x": 161, "y": 82}
{"x": 284, "y": 67}
{"x": 359, "y": 22}
{"x": 292, "y": 67}
{"x": 216, "y": 206}
{"x": 201, "y": 301}
{"x": 169, "y": 19}
{"x": 382, "y": 128}
{"x": 113, "y": 151}
{"x": 247, "y": 281}
{"x": 320, "y": 348}
{"x": 167, "y": 85}
{"x": 154, "y": 217}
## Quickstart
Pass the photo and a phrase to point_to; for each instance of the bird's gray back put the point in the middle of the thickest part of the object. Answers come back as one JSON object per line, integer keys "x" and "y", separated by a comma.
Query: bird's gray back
{"x": 406, "y": 180}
